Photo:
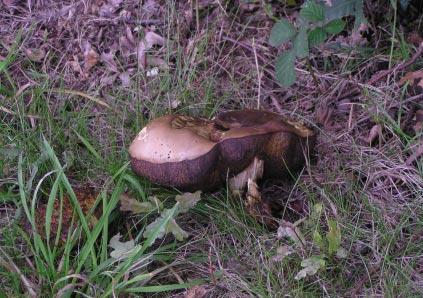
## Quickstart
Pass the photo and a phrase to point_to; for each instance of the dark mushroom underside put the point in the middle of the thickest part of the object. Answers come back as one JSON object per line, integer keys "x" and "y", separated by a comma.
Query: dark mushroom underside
{"x": 187, "y": 175}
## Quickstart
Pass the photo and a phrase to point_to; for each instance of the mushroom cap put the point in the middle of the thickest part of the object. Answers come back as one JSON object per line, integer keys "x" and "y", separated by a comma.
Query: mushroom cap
{"x": 176, "y": 151}
{"x": 195, "y": 153}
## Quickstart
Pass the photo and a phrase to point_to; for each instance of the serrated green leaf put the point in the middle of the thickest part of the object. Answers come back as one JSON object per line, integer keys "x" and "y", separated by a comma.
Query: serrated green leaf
{"x": 333, "y": 236}
{"x": 343, "y": 8}
{"x": 335, "y": 26}
{"x": 285, "y": 68}
{"x": 313, "y": 12}
{"x": 316, "y": 37}
{"x": 188, "y": 200}
{"x": 301, "y": 43}
{"x": 282, "y": 31}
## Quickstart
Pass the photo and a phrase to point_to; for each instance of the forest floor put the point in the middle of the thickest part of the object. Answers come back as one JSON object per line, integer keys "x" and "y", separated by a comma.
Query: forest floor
{"x": 79, "y": 79}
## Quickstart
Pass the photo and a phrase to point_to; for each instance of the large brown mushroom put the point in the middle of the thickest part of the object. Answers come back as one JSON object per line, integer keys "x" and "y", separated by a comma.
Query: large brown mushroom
{"x": 192, "y": 153}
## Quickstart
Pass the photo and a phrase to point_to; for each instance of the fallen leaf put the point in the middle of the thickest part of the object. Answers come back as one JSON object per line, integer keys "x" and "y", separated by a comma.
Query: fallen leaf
{"x": 150, "y": 39}
{"x": 375, "y": 131}
{"x": 90, "y": 59}
{"x": 152, "y": 72}
{"x": 289, "y": 230}
{"x": 416, "y": 155}
{"x": 282, "y": 252}
{"x": 311, "y": 266}
{"x": 175, "y": 103}
{"x": 418, "y": 125}
{"x": 109, "y": 60}
{"x": 341, "y": 253}
{"x": 125, "y": 79}
{"x": 36, "y": 55}
{"x": 130, "y": 204}
{"x": 188, "y": 200}
{"x": 120, "y": 249}
{"x": 414, "y": 77}
{"x": 171, "y": 227}
{"x": 196, "y": 292}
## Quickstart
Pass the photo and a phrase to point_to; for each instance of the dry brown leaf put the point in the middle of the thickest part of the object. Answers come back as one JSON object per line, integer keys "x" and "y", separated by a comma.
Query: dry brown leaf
{"x": 150, "y": 39}
{"x": 125, "y": 79}
{"x": 416, "y": 155}
{"x": 412, "y": 77}
{"x": 418, "y": 125}
{"x": 90, "y": 59}
{"x": 36, "y": 55}
{"x": 375, "y": 131}
{"x": 196, "y": 292}
{"x": 109, "y": 60}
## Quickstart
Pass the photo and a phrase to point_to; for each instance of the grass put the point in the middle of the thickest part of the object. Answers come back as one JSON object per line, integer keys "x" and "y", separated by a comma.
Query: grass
{"x": 52, "y": 142}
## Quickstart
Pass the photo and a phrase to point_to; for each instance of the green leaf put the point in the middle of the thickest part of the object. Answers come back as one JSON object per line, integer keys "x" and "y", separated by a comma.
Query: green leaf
{"x": 282, "y": 31}
{"x": 343, "y": 8}
{"x": 313, "y": 12}
{"x": 285, "y": 68}
{"x": 311, "y": 266}
{"x": 301, "y": 43}
{"x": 188, "y": 200}
{"x": 316, "y": 37}
{"x": 333, "y": 237}
{"x": 318, "y": 240}
{"x": 335, "y": 26}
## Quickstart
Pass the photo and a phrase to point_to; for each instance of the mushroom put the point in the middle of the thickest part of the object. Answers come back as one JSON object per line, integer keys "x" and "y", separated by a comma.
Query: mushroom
{"x": 192, "y": 153}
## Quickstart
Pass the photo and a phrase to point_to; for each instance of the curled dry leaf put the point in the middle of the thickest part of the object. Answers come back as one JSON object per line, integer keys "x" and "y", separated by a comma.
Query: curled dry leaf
{"x": 90, "y": 56}
{"x": 125, "y": 79}
{"x": 196, "y": 292}
{"x": 375, "y": 131}
{"x": 35, "y": 55}
{"x": 291, "y": 231}
{"x": 150, "y": 39}
{"x": 414, "y": 77}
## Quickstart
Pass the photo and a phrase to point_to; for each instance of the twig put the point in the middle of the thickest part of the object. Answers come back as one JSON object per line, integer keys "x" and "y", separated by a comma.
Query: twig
{"x": 258, "y": 74}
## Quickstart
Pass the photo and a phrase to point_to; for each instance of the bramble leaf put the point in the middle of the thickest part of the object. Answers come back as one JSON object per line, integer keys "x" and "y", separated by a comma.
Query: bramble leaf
{"x": 285, "y": 68}
{"x": 301, "y": 43}
{"x": 316, "y": 36}
{"x": 281, "y": 32}
{"x": 335, "y": 26}
{"x": 313, "y": 12}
